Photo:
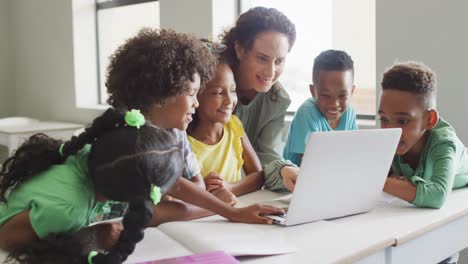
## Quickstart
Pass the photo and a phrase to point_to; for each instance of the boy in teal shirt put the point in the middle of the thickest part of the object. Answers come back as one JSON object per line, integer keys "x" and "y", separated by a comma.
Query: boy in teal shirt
{"x": 329, "y": 108}
{"x": 430, "y": 159}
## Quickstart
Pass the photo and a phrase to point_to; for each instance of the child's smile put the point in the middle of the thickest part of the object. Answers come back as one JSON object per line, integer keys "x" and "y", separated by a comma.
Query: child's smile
{"x": 226, "y": 111}
{"x": 177, "y": 111}
{"x": 332, "y": 93}
{"x": 334, "y": 112}
{"x": 218, "y": 99}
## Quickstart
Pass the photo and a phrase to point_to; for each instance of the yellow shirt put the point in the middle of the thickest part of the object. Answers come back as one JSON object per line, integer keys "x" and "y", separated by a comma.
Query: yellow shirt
{"x": 224, "y": 157}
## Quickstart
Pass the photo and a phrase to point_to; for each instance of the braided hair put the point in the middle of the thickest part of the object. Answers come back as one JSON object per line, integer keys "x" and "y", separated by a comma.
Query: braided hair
{"x": 124, "y": 163}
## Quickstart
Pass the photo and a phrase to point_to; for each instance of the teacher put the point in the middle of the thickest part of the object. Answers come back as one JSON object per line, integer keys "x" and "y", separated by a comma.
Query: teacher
{"x": 256, "y": 50}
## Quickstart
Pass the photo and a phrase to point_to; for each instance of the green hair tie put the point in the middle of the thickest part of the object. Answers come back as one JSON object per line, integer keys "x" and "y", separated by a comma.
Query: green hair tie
{"x": 134, "y": 118}
{"x": 91, "y": 255}
{"x": 61, "y": 149}
{"x": 155, "y": 194}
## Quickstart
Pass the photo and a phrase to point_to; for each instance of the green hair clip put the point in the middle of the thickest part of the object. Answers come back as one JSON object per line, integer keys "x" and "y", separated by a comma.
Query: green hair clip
{"x": 155, "y": 194}
{"x": 134, "y": 118}
{"x": 91, "y": 255}
{"x": 61, "y": 149}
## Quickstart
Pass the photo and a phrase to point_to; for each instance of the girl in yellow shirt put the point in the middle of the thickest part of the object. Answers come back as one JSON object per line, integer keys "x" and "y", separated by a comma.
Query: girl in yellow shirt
{"x": 219, "y": 140}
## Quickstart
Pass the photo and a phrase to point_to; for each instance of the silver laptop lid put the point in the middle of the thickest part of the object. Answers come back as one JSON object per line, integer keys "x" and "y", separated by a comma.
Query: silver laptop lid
{"x": 342, "y": 173}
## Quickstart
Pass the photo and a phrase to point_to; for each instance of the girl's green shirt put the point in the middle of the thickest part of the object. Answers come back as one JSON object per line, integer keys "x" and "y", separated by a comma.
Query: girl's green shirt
{"x": 60, "y": 199}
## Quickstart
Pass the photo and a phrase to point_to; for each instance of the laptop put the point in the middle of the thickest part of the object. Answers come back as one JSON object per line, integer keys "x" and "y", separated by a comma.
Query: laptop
{"x": 342, "y": 173}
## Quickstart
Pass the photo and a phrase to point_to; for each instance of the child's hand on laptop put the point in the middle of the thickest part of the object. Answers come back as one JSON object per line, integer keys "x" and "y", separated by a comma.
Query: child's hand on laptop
{"x": 255, "y": 214}
{"x": 289, "y": 175}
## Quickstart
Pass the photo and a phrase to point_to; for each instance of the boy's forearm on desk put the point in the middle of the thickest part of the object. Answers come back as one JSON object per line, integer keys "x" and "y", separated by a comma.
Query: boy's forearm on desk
{"x": 404, "y": 190}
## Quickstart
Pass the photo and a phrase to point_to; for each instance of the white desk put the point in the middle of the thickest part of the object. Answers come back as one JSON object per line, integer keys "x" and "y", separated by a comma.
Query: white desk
{"x": 13, "y": 135}
{"x": 421, "y": 235}
{"x": 317, "y": 242}
{"x": 322, "y": 241}
{"x": 395, "y": 232}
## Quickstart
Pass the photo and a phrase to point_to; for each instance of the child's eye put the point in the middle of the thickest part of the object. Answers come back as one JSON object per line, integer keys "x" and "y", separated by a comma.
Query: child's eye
{"x": 343, "y": 97}
{"x": 192, "y": 92}
{"x": 403, "y": 122}
{"x": 217, "y": 92}
{"x": 279, "y": 62}
{"x": 383, "y": 120}
{"x": 262, "y": 59}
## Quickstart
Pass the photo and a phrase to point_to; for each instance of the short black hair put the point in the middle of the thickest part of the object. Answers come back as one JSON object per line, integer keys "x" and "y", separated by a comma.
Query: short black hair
{"x": 332, "y": 60}
{"x": 414, "y": 77}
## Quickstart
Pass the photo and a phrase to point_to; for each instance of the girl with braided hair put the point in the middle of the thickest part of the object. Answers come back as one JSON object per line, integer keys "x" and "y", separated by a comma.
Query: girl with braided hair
{"x": 50, "y": 192}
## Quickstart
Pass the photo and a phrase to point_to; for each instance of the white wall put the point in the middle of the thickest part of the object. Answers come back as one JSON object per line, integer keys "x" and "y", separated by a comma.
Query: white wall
{"x": 187, "y": 16}
{"x": 204, "y": 18}
{"x": 43, "y": 60}
{"x": 434, "y": 32}
{"x": 355, "y": 33}
{"x": 6, "y": 72}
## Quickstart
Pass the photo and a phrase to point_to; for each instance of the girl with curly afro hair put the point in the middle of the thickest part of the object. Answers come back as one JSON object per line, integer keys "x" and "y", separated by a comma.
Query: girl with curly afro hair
{"x": 160, "y": 72}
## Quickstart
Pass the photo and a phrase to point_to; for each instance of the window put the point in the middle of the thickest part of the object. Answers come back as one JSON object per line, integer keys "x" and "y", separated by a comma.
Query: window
{"x": 117, "y": 20}
{"x": 327, "y": 24}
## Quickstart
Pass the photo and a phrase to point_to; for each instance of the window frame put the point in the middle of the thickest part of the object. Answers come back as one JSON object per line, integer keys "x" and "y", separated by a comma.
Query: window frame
{"x": 109, "y": 4}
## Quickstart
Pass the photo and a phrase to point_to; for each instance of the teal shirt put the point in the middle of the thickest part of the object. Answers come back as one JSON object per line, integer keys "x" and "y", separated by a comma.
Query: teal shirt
{"x": 263, "y": 120}
{"x": 307, "y": 119}
{"x": 60, "y": 199}
{"x": 443, "y": 166}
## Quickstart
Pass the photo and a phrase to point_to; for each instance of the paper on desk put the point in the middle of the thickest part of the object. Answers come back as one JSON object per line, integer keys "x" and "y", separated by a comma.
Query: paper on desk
{"x": 157, "y": 245}
{"x": 203, "y": 258}
{"x": 233, "y": 238}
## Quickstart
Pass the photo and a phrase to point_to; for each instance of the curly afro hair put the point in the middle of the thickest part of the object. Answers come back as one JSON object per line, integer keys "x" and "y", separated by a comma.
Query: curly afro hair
{"x": 154, "y": 65}
{"x": 414, "y": 77}
{"x": 249, "y": 25}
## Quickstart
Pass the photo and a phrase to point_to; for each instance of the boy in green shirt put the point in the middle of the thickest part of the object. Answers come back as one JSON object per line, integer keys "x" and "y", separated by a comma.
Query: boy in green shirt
{"x": 430, "y": 159}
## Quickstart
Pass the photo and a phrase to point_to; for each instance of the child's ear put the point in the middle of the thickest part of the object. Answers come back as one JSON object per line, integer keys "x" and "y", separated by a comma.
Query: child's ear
{"x": 239, "y": 51}
{"x": 433, "y": 118}
{"x": 312, "y": 90}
